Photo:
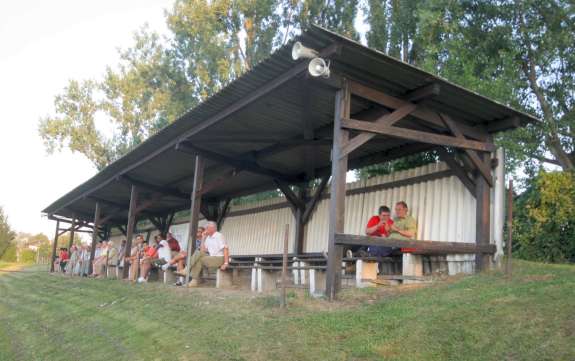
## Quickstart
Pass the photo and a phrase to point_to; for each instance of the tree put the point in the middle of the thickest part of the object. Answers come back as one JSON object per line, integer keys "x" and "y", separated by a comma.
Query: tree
{"x": 518, "y": 52}
{"x": 6, "y": 233}
{"x": 544, "y": 219}
{"x": 211, "y": 43}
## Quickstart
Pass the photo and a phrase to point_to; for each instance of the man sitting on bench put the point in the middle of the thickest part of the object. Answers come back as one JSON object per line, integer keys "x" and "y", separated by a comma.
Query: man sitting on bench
{"x": 380, "y": 226}
{"x": 213, "y": 253}
{"x": 180, "y": 258}
{"x": 404, "y": 226}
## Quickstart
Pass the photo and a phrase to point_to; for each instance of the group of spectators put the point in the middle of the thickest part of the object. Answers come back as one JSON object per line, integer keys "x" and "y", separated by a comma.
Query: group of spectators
{"x": 75, "y": 261}
{"x": 211, "y": 251}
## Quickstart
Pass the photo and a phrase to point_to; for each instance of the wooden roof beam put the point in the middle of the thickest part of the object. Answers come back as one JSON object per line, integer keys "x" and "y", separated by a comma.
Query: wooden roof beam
{"x": 416, "y": 135}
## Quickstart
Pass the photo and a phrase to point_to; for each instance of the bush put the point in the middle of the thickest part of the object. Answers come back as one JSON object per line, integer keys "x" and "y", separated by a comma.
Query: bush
{"x": 10, "y": 254}
{"x": 27, "y": 256}
{"x": 544, "y": 224}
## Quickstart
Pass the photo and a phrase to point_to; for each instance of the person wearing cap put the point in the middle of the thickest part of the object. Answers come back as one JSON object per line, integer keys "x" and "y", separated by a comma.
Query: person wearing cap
{"x": 213, "y": 253}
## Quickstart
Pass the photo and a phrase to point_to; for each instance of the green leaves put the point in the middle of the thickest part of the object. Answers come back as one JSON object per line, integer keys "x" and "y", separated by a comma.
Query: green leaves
{"x": 6, "y": 233}
{"x": 544, "y": 221}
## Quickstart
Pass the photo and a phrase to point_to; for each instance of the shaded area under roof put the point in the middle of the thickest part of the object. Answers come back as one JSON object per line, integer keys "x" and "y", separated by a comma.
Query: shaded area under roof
{"x": 265, "y": 132}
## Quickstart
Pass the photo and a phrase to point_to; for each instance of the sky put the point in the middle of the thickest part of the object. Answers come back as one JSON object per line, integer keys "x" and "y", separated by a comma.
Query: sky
{"x": 43, "y": 44}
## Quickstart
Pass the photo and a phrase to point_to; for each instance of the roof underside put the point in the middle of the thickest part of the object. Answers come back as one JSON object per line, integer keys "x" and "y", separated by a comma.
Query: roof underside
{"x": 254, "y": 131}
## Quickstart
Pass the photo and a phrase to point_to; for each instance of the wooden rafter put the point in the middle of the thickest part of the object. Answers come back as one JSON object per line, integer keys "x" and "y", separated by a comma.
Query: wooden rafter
{"x": 416, "y": 135}
{"x": 457, "y": 169}
{"x": 423, "y": 113}
{"x": 386, "y": 120}
{"x": 483, "y": 168}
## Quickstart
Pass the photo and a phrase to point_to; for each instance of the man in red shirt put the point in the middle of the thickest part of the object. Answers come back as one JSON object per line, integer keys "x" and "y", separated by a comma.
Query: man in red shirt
{"x": 174, "y": 245}
{"x": 380, "y": 226}
{"x": 64, "y": 257}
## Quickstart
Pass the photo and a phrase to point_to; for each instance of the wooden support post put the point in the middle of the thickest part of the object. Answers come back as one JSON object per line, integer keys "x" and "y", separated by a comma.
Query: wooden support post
{"x": 196, "y": 201}
{"x": 283, "y": 298}
{"x": 72, "y": 229}
{"x": 54, "y": 247}
{"x": 510, "y": 229}
{"x": 299, "y": 231}
{"x": 94, "y": 236}
{"x": 337, "y": 196}
{"x": 483, "y": 215}
{"x": 130, "y": 228}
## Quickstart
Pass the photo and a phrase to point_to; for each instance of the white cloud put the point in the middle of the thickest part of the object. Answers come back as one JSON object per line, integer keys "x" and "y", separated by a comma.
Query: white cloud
{"x": 43, "y": 44}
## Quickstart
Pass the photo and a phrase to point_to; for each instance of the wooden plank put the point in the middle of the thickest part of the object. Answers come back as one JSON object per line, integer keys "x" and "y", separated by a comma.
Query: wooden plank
{"x": 511, "y": 122}
{"x": 337, "y": 196}
{"x": 94, "y": 237}
{"x": 422, "y": 93}
{"x": 194, "y": 211}
{"x": 483, "y": 168}
{"x": 457, "y": 169}
{"x": 386, "y": 120}
{"x": 54, "y": 247}
{"x": 422, "y": 113}
{"x": 432, "y": 246}
{"x": 416, "y": 135}
{"x": 130, "y": 227}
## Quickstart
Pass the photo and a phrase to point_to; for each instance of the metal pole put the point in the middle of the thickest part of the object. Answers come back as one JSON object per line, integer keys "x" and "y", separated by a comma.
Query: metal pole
{"x": 283, "y": 299}
{"x": 509, "y": 228}
{"x": 54, "y": 246}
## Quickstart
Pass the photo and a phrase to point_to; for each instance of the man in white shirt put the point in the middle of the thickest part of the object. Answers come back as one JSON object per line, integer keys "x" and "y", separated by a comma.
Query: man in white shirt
{"x": 213, "y": 253}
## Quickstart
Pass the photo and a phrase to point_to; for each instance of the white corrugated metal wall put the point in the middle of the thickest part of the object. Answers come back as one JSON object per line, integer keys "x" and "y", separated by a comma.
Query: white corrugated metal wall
{"x": 444, "y": 210}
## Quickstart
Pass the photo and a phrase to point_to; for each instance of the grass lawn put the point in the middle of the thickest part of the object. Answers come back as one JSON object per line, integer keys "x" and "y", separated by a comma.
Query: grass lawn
{"x": 484, "y": 317}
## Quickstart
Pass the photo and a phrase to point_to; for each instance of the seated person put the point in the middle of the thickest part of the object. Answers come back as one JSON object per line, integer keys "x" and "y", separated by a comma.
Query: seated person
{"x": 149, "y": 255}
{"x": 121, "y": 253}
{"x": 213, "y": 253}
{"x": 174, "y": 245}
{"x": 180, "y": 258}
{"x": 134, "y": 260}
{"x": 100, "y": 261}
{"x": 64, "y": 257}
{"x": 380, "y": 226}
{"x": 113, "y": 255}
{"x": 404, "y": 226}
{"x": 164, "y": 254}
{"x": 85, "y": 262}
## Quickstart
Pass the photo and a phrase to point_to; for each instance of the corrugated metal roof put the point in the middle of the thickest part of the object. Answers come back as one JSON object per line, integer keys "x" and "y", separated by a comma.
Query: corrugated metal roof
{"x": 278, "y": 115}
